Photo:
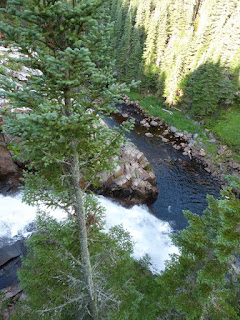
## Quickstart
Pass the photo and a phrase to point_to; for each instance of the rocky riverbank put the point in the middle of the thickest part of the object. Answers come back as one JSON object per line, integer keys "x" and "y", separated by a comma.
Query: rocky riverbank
{"x": 190, "y": 144}
{"x": 132, "y": 181}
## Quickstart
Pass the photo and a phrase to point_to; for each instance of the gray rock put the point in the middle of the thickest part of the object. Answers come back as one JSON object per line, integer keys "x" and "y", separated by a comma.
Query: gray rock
{"x": 166, "y": 132}
{"x": 212, "y": 141}
{"x": 154, "y": 123}
{"x": 132, "y": 180}
{"x": 178, "y": 134}
{"x": 148, "y": 134}
{"x": 202, "y": 153}
{"x": 146, "y": 125}
{"x": 173, "y": 129}
{"x": 191, "y": 141}
{"x": 10, "y": 261}
{"x": 195, "y": 136}
{"x": 191, "y": 145}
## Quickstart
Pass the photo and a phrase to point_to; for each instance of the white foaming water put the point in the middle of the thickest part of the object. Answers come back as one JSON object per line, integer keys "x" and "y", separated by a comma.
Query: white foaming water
{"x": 150, "y": 235}
{"x": 15, "y": 216}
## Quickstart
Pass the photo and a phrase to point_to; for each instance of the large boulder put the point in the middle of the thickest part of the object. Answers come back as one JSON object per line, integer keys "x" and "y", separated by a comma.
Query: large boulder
{"x": 7, "y": 166}
{"x": 10, "y": 261}
{"x": 9, "y": 171}
{"x": 132, "y": 180}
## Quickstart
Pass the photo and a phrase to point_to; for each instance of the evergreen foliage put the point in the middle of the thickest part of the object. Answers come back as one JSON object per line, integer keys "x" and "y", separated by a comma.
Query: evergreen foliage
{"x": 70, "y": 90}
{"x": 207, "y": 90}
{"x": 178, "y": 39}
{"x": 53, "y": 281}
{"x": 203, "y": 282}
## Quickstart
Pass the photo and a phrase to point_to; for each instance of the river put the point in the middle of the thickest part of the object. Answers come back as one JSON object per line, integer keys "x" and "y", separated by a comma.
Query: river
{"x": 183, "y": 185}
{"x": 182, "y": 182}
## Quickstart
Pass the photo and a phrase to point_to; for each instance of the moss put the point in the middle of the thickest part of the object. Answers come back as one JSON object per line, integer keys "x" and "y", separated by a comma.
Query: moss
{"x": 148, "y": 168}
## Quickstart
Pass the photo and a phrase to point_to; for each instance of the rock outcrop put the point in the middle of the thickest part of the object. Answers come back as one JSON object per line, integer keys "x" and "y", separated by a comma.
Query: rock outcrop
{"x": 132, "y": 180}
{"x": 9, "y": 171}
{"x": 10, "y": 262}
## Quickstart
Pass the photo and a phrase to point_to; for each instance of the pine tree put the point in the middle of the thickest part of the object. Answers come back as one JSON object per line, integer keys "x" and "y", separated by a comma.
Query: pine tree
{"x": 125, "y": 44}
{"x": 70, "y": 89}
{"x": 55, "y": 291}
{"x": 203, "y": 281}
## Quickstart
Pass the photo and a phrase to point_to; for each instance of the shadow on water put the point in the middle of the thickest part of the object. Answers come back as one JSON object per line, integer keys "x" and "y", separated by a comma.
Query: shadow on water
{"x": 183, "y": 183}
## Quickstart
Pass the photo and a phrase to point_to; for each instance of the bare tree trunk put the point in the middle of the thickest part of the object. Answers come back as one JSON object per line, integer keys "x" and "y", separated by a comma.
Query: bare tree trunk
{"x": 80, "y": 213}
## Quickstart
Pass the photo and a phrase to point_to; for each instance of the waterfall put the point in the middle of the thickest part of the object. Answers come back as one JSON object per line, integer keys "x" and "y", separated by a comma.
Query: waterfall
{"x": 149, "y": 234}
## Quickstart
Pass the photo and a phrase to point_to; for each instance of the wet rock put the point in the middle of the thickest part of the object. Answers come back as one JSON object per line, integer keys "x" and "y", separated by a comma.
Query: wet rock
{"x": 133, "y": 180}
{"x": 177, "y": 147}
{"x": 178, "y": 134}
{"x": 10, "y": 261}
{"x": 148, "y": 134}
{"x": 191, "y": 144}
{"x": 173, "y": 129}
{"x": 183, "y": 145}
{"x": 187, "y": 149}
{"x": 154, "y": 123}
{"x": 166, "y": 132}
{"x": 189, "y": 138}
{"x": 146, "y": 125}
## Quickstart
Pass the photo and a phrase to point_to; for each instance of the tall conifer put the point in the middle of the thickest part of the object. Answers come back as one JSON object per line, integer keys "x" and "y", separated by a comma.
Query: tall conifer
{"x": 69, "y": 90}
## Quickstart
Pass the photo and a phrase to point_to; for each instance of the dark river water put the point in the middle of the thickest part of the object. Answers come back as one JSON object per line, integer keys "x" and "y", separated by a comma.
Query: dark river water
{"x": 183, "y": 183}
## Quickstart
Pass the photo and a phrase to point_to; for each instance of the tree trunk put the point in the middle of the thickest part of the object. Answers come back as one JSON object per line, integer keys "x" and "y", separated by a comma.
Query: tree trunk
{"x": 80, "y": 213}
{"x": 81, "y": 220}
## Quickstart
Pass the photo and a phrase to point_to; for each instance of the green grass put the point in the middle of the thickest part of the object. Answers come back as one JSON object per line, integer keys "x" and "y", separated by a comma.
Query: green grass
{"x": 227, "y": 128}
{"x": 134, "y": 95}
{"x": 155, "y": 107}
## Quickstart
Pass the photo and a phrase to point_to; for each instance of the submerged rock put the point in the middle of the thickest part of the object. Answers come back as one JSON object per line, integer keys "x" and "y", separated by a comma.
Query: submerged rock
{"x": 149, "y": 134}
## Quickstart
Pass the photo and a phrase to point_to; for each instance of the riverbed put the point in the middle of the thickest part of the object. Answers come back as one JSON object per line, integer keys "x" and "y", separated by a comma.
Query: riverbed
{"x": 182, "y": 182}
{"x": 183, "y": 185}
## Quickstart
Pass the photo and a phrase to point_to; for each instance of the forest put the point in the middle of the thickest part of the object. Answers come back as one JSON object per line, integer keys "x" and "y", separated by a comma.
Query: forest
{"x": 84, "y": 56}
{"x": 180, "y": 48}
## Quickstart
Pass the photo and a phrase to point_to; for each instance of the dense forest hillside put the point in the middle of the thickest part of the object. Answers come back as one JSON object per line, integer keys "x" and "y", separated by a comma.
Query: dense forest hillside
{"x": 187, "y": 51}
